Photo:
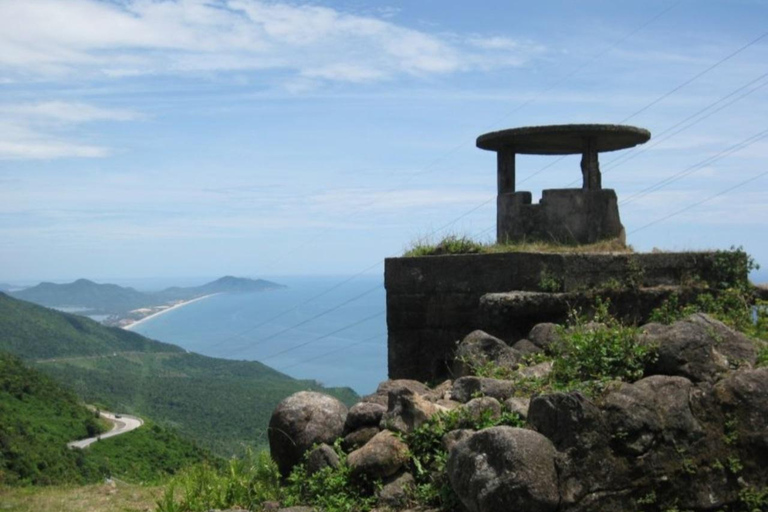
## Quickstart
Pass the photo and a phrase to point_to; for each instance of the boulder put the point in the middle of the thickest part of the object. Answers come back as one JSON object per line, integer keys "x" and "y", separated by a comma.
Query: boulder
{"x": 453, "y": 437}
{"x": 320, "y": 458}
{"x": 388, "y": 386}
{"x": 466, "y": 388}
{"x": 382, "y": 456}
{"x": 518, "y": 405}
{"x": 479, "y": 348}
{"x": 526, "y": 347}
{"x": 358, "y": 438}
{"x": 743, "y": 396}
{"x": 395, "y": 491}
{"x": 537, "y": 371}
{"x": 477, "y": 408}
{"x": 364, "y": 414}
{"x": 440, "y": 392}
{"x": 544, "y": 335}
{"x": 502, "y": 469}
{"x": 569, "y": 420}
{"x": 698, "y": 348}
{"x": 300, "y": 421}
{"x": 654, "y": 409}
{"x": 407, "y": 411}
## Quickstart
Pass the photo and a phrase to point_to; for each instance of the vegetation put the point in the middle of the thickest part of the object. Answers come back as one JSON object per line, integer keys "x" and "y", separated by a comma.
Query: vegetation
{"x": 114, "y": 496}
{"x": 457, "y": 244}
{"x": 221, "y": 404}
{"x": 39, "y": 418}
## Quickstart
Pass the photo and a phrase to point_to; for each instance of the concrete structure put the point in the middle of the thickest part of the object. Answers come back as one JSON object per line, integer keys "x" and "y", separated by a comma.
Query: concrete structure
{"x": 580, "y": 216}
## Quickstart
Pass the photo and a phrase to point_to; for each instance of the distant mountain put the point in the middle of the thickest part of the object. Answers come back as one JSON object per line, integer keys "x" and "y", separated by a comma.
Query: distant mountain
{"x": 90, "y": 298}
{"x": 4, "y": 287}
{"x": 94, "y": 298}
{"x": 222, "y": 404}
{"x": 226, "y": 284}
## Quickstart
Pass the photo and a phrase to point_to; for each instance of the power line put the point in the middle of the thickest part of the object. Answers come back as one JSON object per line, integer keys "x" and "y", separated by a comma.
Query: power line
{"x": 697, "y": 203}
{"x": 334, "y": 351}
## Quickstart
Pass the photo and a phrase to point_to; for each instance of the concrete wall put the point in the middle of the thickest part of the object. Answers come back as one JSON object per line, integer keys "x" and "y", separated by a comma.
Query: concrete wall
{"x": 434, "y": 301}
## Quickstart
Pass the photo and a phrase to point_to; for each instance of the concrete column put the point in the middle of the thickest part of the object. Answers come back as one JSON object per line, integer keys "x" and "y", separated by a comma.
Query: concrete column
{"x": 505, "y": 169}
{"x": 590, "y": 166}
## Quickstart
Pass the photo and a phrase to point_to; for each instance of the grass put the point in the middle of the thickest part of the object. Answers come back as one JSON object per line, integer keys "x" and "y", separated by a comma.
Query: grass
{"x": 459, "y": 244}
{"x": 117, "y": 497}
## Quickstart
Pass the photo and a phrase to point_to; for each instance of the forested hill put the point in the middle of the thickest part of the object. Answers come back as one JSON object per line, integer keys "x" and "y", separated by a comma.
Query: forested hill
{"x": 223, "y": 404}
{"x": 38, "y": 417}
{"x": 34, "y": 332}
{"x": 101, "y": 298}
{"x": 96, "y": 298}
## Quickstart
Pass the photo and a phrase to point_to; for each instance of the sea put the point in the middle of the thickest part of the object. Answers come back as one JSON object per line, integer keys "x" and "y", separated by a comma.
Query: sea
{"x": 331, "y": 329}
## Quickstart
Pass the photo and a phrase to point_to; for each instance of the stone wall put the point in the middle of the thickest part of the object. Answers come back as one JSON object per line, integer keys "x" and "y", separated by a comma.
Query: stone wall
{"x": 434, "y": 301}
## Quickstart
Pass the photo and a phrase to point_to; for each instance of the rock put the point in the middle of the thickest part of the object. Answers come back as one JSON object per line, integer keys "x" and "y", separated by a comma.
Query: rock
{"x": 389, "y": 386}
{"x": 374, "y": 398}
{"x": 537, "y": 371}
{"x": 653, "y": 409}
{"x": 502, "y": 469}
{"x": 525, "y": 347}
{"x": 395, "y": 491}
{"x": 518, "y": 405}
{"x": 698, "y": 348}
{"x": 453, "y": 437}
{"x": 297, "y": 509}
{"x": 270, "y": 506}
{"x": 479, "y": 348}
{"x": 364, "y": 414}
{"x": 743, "y": 395}
{"x": 382, "y": 456}
{"x": 544, "y": 335}
{"x": 320, "y": 458}
{"x": 466, "y": 388}
{"x": 358, "y": 438}
{"x": 478, "y": 408}
{"x": 448, "y": 405}
{"x": 440, "y": 392}
{"x": 569, "y": 420}
{"x": 407, "y": 411}
{"x": 300, "y": 421}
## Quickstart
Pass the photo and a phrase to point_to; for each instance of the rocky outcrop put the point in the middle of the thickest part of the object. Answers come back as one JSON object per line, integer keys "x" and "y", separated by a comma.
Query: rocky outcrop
{"x": 300, "y": 421}
{"x": 479, "y": 348}
{"x": 381, "y": 457}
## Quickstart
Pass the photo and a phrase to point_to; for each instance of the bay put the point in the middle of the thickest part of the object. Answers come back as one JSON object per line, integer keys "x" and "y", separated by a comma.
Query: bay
{"x": 316, "y": 328}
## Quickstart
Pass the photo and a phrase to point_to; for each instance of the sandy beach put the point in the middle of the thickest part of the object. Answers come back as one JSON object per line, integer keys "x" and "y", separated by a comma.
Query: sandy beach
{"x": 130, "y": 326}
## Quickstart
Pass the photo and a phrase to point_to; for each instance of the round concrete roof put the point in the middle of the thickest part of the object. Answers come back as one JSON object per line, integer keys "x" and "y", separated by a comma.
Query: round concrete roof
{"x": 564, "y": 139}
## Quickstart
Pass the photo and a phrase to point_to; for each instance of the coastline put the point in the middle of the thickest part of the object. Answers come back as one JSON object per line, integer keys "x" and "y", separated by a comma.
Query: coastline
{"x": 131, "y": 325}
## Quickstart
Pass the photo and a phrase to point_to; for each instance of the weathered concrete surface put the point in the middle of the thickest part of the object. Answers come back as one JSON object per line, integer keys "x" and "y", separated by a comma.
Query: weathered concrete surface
{"x": 434, "y": 301}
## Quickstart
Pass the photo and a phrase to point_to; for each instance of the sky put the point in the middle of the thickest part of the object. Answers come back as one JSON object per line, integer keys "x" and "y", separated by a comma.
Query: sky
{"x": 178, "y": 138}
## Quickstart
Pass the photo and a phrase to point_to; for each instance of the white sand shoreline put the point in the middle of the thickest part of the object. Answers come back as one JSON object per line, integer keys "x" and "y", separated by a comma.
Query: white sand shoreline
{"x": 130, "y": 326}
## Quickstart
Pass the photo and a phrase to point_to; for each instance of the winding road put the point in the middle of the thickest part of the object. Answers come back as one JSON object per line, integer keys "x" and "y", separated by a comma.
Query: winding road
{"x": 120, "y": 425}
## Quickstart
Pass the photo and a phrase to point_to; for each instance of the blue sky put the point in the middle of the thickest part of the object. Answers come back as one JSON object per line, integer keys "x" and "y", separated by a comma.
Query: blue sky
{"x": 144, "y": 138}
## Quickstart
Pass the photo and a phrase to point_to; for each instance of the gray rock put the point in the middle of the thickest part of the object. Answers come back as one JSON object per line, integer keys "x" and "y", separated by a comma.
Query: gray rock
{"x": 320, "y": 458}
{"x": 525, "y": 347}
{"x": 301, "y": 421}
{"x": 453, "y": 437}
{"x": 537, "y": 371}
{"x": 502, "y": 469}
{"x": 479, "y": 348}
{"x": 478, "y": 408}
{"x": 415, "y": 386}
{"x": 364, "y": 414}
{"x": 375, "y": 398}
{"x": 518, "y": 405}
{"x": 407, "y": 411}
{"x": 466, "y": 388}
{"x": 440, "y": 392}
{"x": 569, "y": 420}
{"x": 744, "y": 396}
{"x": 382, "y": 456}
{"x": 698, "y": 348}
{"x": 358, "y": 438}
{"x": 544, "y": 335}
{"x": 653, "y": 409}
{"x": 395, "y": 491}
{"x": 297, "y": 509}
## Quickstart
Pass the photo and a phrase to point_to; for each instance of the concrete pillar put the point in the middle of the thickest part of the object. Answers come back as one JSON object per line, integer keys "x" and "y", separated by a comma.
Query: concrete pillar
{"x": 505, "y": 170}
{"x": 590, "y": 166}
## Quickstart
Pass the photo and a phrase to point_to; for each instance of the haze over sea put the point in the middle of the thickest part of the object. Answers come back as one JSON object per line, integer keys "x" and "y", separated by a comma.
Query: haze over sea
{"x": 328, "y": 349}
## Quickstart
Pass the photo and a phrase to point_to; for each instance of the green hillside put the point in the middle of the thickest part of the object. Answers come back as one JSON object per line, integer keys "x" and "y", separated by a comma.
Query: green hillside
{"x": 38, "y": 418}
{"x": 224, "y": 405}
{"x": 96, "y": 298}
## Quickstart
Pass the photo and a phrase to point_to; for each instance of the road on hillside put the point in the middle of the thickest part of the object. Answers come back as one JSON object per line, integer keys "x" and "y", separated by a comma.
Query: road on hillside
{"x": 120, "y": 425}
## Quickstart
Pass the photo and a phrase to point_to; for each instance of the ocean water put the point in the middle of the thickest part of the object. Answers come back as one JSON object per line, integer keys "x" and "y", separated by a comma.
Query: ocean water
{"x": 338, "y": 339}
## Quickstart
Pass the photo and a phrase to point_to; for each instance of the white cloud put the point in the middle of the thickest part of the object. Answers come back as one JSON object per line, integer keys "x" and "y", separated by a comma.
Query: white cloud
{"x": 33, "y": 130}
{"x": 55, "y": 38}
